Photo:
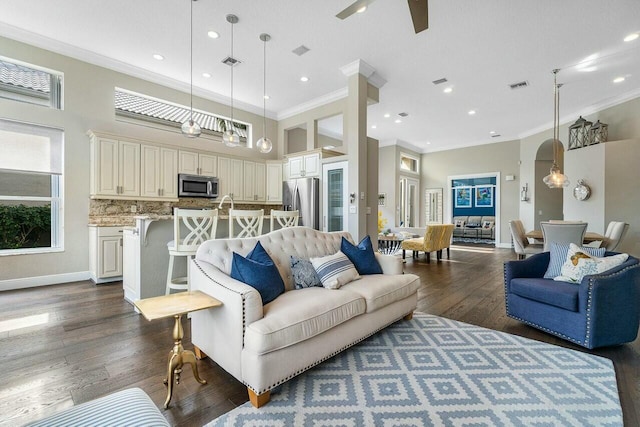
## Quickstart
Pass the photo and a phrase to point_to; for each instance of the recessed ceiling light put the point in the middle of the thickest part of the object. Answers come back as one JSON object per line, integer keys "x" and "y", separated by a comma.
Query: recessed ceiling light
{"x": 266, "y": 96}
{"x": 213, "y": 34}
{"x": 472, "y": 112}
{"x": 374, "y": 127}
{"x": 448, "y": 90}
{"x": 493, "y": 132}
{"x": 386, "y": 116}
{"x": 618, "y": 80}
{"x": 304, "y": 79}
{"x": 398, "y": 121}
{"x": 428, "y": 143}
{"x": 158, "y": 56}
{"x": 362, "y": 9}
{"x": 207, "y": 75}
{"x": 632, "y": 37}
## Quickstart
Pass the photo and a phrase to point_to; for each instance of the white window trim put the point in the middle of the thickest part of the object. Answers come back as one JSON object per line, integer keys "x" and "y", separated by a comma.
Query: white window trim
{"x": 60, "y": 74}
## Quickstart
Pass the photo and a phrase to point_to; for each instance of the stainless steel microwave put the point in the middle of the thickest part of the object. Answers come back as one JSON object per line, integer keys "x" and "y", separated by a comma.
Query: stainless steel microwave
{"x": 197, "y": 186}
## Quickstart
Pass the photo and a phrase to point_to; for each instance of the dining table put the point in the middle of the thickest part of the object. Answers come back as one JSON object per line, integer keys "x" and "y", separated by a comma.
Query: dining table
{"x": 589, "y": 236}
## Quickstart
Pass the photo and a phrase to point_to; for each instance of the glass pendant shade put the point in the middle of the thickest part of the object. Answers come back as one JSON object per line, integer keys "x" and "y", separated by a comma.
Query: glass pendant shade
{"x": 231, "y": 138}
{"x": 555, "y": 179}
{"x": 264, "y": 145}
{"x": 191, "y": 129}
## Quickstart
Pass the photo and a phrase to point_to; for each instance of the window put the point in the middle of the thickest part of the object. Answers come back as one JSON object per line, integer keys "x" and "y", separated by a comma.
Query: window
{"x": 408, "y": 163}
{"x": 30, "y": 188}
{"x": 28, "y": 83}
{"x": 143, "y": 108}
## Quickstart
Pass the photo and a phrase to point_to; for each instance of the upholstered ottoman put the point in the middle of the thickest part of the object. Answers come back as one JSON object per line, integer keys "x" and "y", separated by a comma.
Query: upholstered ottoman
{"x": 131, "y": 407}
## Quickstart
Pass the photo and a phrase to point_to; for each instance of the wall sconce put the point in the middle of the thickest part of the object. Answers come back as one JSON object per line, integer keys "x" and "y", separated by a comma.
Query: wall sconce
{"x": 524, "y": 197}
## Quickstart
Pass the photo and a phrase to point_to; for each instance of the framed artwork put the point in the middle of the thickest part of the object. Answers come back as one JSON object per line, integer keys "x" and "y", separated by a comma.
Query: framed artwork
{"x": 462, "y": 197}
{"x": 382, "y": 199}
{"x": 484, "y": 196}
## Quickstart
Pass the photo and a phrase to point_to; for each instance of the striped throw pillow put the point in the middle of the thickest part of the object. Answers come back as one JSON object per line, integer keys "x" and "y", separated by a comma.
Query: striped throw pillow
{"x": 558, "y": 255}
{"x": 335, "y": 270}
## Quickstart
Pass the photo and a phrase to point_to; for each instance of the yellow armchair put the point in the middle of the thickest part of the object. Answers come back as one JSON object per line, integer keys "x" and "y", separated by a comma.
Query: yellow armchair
{"x": 436, "y": 238}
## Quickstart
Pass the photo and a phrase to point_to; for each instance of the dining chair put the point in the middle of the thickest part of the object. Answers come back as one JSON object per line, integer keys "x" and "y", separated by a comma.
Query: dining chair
{"x": 562, "y": 221}
{"x": 521, "y": 244}
{"x": 616, "y": 230}
{"x": 283, "y": 219}
{"x": 562, "y": 233}
{"x": 250, "y": 222}
{"x": 200, "y": 226}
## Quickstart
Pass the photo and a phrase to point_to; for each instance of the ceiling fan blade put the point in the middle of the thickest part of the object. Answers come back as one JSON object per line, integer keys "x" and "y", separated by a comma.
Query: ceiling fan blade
{"x": 419, "y": 14}
{"x": 355, "y": 6}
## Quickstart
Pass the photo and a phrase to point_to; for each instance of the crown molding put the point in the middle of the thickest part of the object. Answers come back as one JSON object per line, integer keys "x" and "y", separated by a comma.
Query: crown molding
{"x": 592, "y": 109}
{"x": 314, "y": 103}
{"x": 358, "y": 67}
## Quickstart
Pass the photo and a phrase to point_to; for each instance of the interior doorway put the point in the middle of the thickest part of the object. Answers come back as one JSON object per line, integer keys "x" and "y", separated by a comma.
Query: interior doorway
{"x": 408, "y": 203}
{"x": 547, "y": 202}
{"x": 476, "y": 195}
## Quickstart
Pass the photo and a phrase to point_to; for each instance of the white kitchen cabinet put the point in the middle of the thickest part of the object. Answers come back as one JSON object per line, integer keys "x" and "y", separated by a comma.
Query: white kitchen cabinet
{"x": 307, "y": 165}
{"x": 159, "y": 172}
{"x": 115, "y": 168}
{"x": 274, "y": 181}
{"x": 254, "y": 176}
{"x": 105, "y": 253}
{"x": 230, "y": 178}
{"x": 197, "y": 163}
{"x": 131, "y": 268}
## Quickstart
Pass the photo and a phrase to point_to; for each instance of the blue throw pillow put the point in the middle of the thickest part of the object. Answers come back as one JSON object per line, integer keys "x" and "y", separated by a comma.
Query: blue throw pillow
{"x": 558, "y": 255}
{"x": 361, "y": 256}
{"x": 259, "y": 273}
{"x": 304, "y": 275}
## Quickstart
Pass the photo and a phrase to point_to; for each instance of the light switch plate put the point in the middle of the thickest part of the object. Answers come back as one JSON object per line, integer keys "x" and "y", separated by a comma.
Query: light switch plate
{"x": 353, "y": 209}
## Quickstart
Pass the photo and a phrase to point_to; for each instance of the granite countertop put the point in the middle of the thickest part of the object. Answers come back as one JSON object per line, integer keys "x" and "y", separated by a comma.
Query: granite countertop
{"x": 130, "y": 220}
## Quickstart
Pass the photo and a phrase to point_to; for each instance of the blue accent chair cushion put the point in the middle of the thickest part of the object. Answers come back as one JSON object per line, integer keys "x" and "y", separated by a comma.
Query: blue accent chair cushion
{"x": 602, "y": 310}
{"x": 259, "y": 271}
{"x": 362, "y": 256}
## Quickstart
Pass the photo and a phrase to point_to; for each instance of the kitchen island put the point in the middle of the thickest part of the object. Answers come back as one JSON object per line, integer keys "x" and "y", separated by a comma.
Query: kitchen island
{"x": 146, "y": 258}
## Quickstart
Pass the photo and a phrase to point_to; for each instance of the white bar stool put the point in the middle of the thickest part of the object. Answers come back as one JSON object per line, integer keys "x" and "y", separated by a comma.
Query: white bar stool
{"x": 250, "y": 222}
{"x": 201, "y": 226}
{"x": 284, "y": 219}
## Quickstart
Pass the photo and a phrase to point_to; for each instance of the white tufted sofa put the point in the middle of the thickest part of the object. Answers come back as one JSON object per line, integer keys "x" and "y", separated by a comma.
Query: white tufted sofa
{"x": 266, "y": 346}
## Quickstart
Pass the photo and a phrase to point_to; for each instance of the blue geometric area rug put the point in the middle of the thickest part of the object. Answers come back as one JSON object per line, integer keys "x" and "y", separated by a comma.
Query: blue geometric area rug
{"x": 432, "y": 371}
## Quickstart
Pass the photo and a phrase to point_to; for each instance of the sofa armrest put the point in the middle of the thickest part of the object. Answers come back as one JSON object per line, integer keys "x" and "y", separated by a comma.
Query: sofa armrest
{"x": 219, "y": 332}
{"x": 389, "y": 264}
{"x": 610, "y": 302}
{"x": 534, "y": 266}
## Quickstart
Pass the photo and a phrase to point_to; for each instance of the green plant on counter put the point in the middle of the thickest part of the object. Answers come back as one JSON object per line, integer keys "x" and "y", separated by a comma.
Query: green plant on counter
{"x": 24, "y": 226}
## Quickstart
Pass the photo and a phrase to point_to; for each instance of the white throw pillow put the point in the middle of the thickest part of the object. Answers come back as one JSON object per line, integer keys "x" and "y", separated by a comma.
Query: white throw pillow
{"x": 335, "y": 270}
{"x": 579, "y": 264}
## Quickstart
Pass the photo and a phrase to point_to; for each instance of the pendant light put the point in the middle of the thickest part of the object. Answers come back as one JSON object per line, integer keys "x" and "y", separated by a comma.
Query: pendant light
{"x": 556, "y": 179}
{"x": 264, "y": 144}
{"x": 190, "y": 128}
{"x": 230, "y": 137}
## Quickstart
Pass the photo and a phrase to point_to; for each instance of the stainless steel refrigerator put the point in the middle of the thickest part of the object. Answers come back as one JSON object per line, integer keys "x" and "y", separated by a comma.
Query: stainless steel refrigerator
{"x": 303, "y": 194}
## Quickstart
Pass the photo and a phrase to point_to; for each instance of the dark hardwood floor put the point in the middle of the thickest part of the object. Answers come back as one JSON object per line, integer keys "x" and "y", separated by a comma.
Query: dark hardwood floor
{"x": 66, "y": 344}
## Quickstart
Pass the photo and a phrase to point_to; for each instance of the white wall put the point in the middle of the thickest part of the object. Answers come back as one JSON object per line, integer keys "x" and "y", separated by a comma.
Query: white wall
{"x": 586, "y": 163}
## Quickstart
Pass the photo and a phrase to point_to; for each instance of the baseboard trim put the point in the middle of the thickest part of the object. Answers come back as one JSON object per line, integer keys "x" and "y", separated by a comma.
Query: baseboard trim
{"x": 51, "y": 279}
{"x": 504, "y": 245}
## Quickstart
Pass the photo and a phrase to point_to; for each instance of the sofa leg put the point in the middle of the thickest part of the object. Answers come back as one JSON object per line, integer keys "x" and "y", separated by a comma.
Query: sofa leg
{"x": 199, "y": 353}
{"x": 259, "y": 400}
{"x": 448, "y": 254}
{"x": 408, "y": 316}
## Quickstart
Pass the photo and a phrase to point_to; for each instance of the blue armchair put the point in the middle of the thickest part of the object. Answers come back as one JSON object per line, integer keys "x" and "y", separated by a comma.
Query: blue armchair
{"x": 602, "y": 310}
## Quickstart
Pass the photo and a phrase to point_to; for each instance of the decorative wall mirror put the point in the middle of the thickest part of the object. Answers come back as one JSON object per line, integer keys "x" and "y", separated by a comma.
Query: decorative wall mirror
{"x": 433, "y": 205}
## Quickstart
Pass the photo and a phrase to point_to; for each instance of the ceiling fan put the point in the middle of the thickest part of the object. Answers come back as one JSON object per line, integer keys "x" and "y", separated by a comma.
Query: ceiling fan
{"x": 418, "y": 8}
